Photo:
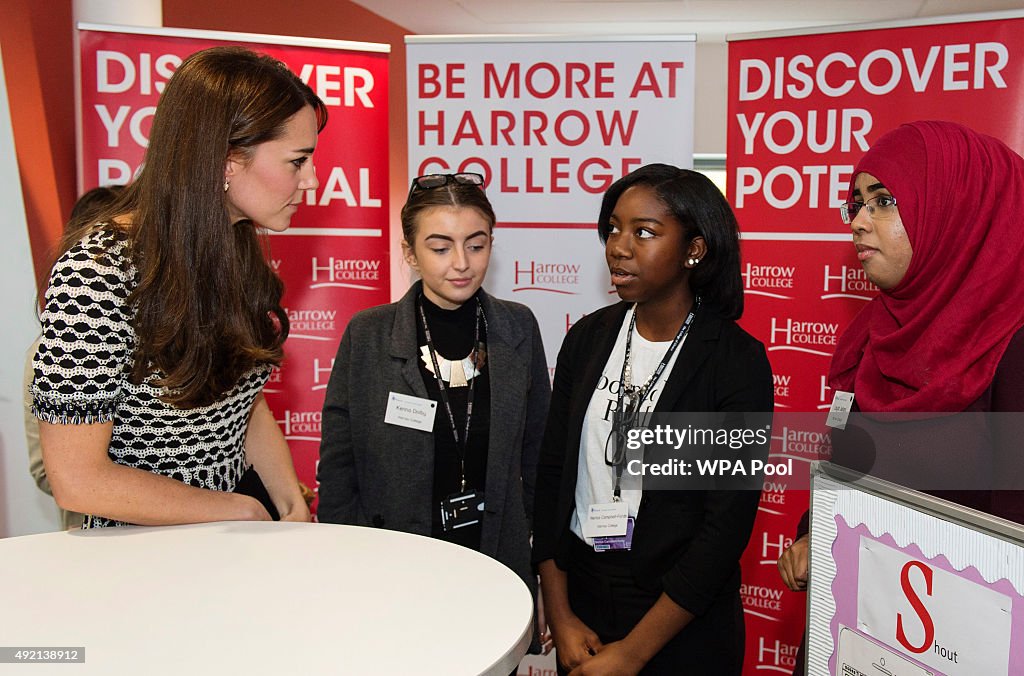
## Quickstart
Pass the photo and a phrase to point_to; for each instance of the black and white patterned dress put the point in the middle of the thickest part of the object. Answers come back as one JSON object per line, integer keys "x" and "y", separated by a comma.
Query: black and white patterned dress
{"x": 82, "y": 367}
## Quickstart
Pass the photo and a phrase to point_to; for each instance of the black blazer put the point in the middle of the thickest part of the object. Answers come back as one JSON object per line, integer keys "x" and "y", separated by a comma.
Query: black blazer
{"x": 380, "y": 475}
{"x": 685, "y": 543}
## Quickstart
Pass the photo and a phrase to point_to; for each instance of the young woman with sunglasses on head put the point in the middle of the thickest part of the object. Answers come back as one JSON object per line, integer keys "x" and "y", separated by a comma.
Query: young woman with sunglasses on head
{"x": 163, "y": 318}
{"x": 934, "y": 211}
{"x": 477, "y": 360}
{"x": 664, "y": 598}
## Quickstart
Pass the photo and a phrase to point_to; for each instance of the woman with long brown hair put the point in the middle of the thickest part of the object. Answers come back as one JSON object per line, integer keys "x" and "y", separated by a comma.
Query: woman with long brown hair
{"x": 163, "y": 318}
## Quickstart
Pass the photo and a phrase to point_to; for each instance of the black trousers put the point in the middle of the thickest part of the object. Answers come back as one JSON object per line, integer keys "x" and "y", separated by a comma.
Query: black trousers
{"x": 604, "y": 595}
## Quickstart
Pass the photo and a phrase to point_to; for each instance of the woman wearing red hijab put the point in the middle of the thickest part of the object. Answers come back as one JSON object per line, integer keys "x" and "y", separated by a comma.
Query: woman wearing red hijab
{"x": 935, "y": 212}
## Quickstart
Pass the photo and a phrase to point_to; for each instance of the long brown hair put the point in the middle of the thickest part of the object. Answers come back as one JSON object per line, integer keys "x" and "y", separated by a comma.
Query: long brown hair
{"x": 207, "y": 304}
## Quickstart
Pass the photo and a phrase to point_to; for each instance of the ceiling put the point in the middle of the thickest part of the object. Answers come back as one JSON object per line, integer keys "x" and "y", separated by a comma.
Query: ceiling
{"x": 710, "y": 20}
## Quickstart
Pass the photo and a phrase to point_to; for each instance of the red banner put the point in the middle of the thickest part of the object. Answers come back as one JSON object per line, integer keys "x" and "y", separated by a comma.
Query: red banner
{"x": 334, "y": 257}
{"x": 802, "y": 110}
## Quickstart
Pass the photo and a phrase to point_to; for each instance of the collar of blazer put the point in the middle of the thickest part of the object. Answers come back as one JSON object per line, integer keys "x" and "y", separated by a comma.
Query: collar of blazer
{"x": 501, "y": 325}
{"x": 695, "y": 350}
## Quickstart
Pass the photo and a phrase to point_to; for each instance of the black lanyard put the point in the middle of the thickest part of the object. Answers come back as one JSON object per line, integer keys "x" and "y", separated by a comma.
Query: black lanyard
{"x": 460, "y": 443}
{"x": 638, "y": 395}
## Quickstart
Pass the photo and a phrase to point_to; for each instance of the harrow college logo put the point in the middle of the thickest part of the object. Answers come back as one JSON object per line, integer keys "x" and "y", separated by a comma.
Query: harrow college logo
{"x": 847, "y": 282}
{"x": 803, "y": 444}
{"x": 549, "y": 277}
{"x": 312, "y": 324}
{"x": 300, "y": 425}
{"x": 776, "y": 656}
{"x": 273, "y": 385}
{"x": 781, "y": 384}
{"x": 758, "y": 600}
{"x": 773, "y": 496}
{"x": 768, "y": 280}
{"x": 824, "y": 400}
{"x": 807, "y": 337}
{"x": 772, "y": 549}
{"x": 361, "y": 274}
{"x": 321, "y": 374}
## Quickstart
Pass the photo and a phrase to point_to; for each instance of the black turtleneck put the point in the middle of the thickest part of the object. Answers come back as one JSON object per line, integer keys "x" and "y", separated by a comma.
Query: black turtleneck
{"x": 452, "y": 332}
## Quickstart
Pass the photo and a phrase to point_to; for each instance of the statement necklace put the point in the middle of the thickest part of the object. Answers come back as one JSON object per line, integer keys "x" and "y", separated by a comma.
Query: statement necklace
{"x": 457, "y": 373}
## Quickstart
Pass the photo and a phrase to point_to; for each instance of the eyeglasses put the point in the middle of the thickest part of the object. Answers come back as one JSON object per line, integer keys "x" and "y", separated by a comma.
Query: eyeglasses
{"x": 622, "y": 422}
{"x": 430, "y": 181}
{"x": 884, "y": 207}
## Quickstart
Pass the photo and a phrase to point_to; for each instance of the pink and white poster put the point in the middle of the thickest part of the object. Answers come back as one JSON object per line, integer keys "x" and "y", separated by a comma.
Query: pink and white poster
{"x": 895, "y": 587}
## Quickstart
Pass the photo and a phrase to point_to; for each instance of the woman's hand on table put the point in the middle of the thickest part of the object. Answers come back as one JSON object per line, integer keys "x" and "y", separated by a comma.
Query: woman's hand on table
{"x": 299, "y": 512}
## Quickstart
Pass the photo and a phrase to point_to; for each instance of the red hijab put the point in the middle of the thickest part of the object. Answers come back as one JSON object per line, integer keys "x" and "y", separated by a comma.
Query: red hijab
{"x": 932, "y": 343}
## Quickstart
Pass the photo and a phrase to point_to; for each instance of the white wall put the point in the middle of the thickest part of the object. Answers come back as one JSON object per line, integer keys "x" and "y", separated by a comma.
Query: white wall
{"x": 134, "y": 13}
{"x": 23, "y": 508}
{"x": 711, "y": 97}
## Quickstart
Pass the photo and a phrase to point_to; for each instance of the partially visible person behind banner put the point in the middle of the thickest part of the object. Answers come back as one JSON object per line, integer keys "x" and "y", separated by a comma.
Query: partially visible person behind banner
{"x": 435, "y": 408}
{"x": 661, "y": 596}
{"x": 86, "y": 207}
{"x": 934, "y": 208}
{"x": 163, "y": 318}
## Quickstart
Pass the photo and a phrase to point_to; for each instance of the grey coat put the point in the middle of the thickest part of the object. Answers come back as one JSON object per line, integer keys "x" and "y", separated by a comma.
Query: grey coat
{"x": 375, "y": 474}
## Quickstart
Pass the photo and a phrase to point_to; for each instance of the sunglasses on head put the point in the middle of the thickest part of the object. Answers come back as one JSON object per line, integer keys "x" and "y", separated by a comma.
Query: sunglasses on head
{"x": 430, "y": 181}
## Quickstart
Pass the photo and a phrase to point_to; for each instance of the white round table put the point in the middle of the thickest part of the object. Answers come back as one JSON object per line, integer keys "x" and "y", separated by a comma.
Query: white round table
{"x": 261, "y": 598}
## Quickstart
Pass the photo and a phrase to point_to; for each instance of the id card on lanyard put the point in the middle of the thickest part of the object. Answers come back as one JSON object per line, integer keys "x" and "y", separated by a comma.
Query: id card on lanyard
{"x": 466, "y": 507}
{"x": 609, "y": 524}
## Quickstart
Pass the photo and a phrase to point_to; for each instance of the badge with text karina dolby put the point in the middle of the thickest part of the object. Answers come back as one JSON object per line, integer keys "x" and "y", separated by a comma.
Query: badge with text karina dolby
{"x": 462, "y": 509}
{"x": 406, "y": 410}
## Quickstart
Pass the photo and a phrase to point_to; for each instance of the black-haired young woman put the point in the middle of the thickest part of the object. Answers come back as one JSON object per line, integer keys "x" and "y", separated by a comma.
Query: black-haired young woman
{"x": 664, "y": 597}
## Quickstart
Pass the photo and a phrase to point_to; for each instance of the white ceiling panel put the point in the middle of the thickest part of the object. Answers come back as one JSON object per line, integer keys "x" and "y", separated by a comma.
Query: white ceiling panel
{"x": 711, "y": 20}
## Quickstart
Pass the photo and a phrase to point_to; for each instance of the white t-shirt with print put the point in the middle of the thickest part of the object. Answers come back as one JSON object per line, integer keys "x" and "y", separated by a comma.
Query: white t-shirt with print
{"x": 595, "y": 479}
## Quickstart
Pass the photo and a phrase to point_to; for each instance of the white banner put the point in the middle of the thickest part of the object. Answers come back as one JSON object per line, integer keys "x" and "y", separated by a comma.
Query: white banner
{"x": 550, "y": 122}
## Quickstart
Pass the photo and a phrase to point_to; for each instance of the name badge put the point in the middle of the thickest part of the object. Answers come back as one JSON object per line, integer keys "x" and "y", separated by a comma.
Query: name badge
{"x": 616, "y": 542}
{"x": 840, "y": 411}
{"x": 406, "y": 410}
{"x": 606, "y": 520}
{"x": 461, "y": 509}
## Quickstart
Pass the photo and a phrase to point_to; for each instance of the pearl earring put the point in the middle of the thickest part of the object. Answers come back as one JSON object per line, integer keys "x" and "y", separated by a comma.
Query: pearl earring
{"x": 693, "y": 261}
{"x": 226, "y": 184}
